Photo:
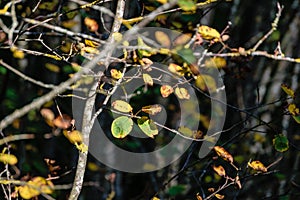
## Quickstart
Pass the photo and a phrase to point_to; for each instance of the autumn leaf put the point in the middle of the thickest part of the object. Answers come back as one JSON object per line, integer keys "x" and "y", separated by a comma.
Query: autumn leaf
{"x": 223, "y": 153}
{"x": 187, "y": 5}
{"x": 148, "y": 79}
{"x": 182, "y": 93}
{"x": 152, "y": 109}
{"x": 288, "y": 90}
{"x": 74, "y": 136}
{"x": 8, "y": 159}
{"x": 36, "y": 186}
{"x": 63, "y": 121}
{"x": 218, "y": 62}
{"x": 206, "y": 83}
{"x": 122, "y": 106}
{"x": 91, "y": 24}
{"x": 257, "y": 165}
{"x": 116, "y": 74}
{"x": 162, "y": 39}
{"x": 293, "y": 110}
{"x": 147, "y": 126}
{"x": 166, "y": 90}
{"x": 208, "y": 33}
{"x": 220, "y": 170}
{"x": 176, "y": 69}
{"x": 219, "y": 196}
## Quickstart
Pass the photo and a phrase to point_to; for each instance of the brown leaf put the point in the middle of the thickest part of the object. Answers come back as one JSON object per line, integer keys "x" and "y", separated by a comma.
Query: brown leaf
{"x": 223, "y": 154}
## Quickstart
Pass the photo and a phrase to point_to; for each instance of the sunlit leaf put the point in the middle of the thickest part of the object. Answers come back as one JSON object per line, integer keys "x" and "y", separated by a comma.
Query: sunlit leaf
{"x": 4, "y": 10}
{"x": 147, "y": 126}
{"x": 91, "y": 24}
{"x": 116, "y": 74}
{"x": 288, "y": 90}
{"x": 91, "y": 50}
{"x": 281, "y": 143}
{"x": 63, "y": 121}
{"x": 219, "y": 170}
{"x": 144, "y": 50}
{"x": 187, "y": 5}
{"x": 223, "y": 153}
{"x": 166, "y": 90}
{"x": 152, "y": 109}
{"x": 17, "y": 53}
{"x": 219, "y": 196}
{"x": 206, "y": 83}
{"x": 182, "y": 93}
{"x": 35, "y": 187}
{"x": 238, "y": 182}
{"x": 198, "y": 196}
{"x": 122, "y": 106}
{"x": 176, "y": 69}
{"x": 218, "y": 62}
{"x": 91, "y": 43}
{"x": 74, "y": 136}
{"x": 8, "y": 159}
{"x": 293, "y": 110}
{"x": 155, "y": 198}
{"x": 162, "y": 1}
{"x": 208, "y": 33}
{"x": 258, "y": 166}
{"x": 148, "y": 79}
{"x": 121, "y": 126}
{"x": 162, "y": 39}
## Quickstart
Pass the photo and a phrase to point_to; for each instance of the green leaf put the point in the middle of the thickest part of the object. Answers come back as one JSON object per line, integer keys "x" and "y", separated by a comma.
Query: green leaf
{"x": 3, "y": 70}
{"x": 297, "y": 118}
{"x": 147, "y": 126}
{"x": 176, "y": 190}
{"x": 281, "y": 143}
{"x": 187, "y": 55}
{"x": 121, "y": 127}
{"x": 187, "y": 5}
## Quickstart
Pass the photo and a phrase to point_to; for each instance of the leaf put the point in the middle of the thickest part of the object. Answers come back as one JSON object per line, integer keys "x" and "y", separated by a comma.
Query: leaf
{"x": 166, "y": 90}
{"x": 116, "y": 74}
{"x": 63, "y": 121}
{"x": 176, "y": 190}
{"x": 208, "y": 33}
{"x": 52, "y": 67}
{"x": 155, "y": 198}
{"x": 91, "y": 43}
{"x": 117, "y": 36}
{"x": 4, "y": 10}
{"x": 35, "y": 187}
{"x": 47, "y": 114}
{"x": 297, "y": 118}
{"x": 91, "y": 24}
{"x": 182, "y": 39}
{"x": 187, "y": 54}
{"x": 281, "y": 143}
{"x": 74, "y": 136}
{"x": 122, "y": 106}
{"x": 8, "y": 159}
{"x": 186, "y": 131}
{"x": 219, "y": 196}
{"x": 162, "y": 1}
{"x": 187, "y": 5}
{"x": 144, "y": 50}
{"x": 258, "y": 166}
{"x": 220, "y": 170}
{"x": 148, "y": 79}
{"x": 147, "y": 126}
{"x": 293, "y": 110}
{"x": 206, "y": 83}
{"x": 163, "y": 39}
{"x": 176, "y": 69}
{"x": 198, "y": 196}
{"x": 152, "y": 109}
{"x": 121, "y": 126}
{"x": 218, "y": 62}
{"x": 288, "y": 90}
{"x": 182, "y": 93}
{"x": 223, "y": 153}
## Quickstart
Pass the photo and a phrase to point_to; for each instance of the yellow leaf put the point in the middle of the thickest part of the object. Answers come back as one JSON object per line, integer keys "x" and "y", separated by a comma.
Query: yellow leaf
{"x": 93, "y": 167}
{"x": 219, "y": 196}
{"x": 218, "y": 62}
{"x": 148, "y": 79}
{"x": 91, "y": 24}
{"x": 73, "y": 136}
{"x": 198, "y": 196}
{"x": 91, "y": 43}
{"x": 116, "y": 74}
{"x": 52, "y": 67}
{"x": 155, "y": 198}
{"x": 163, "y": 39}
{"x": 8, "y": 159}
{"x": 206, "y": 83}
{"x": 297, "y": 60}
{"x": 288, "y": 90}
{"x": 162, "y": 1}
{"x": 258, "y": 166}
{"x": 4, "y": 10}
{"x": 220, "y": 170}
{"x": 81, "y": 147}
{"x": 208, "y": 33}
{"x": 152, "y": 109}
{"x": 166, "y": 90}
{"x": 35, "y": 187}
{"x": 223, "y": 153}
{"x": 69, "y": 23}
{"x": 122, "y": 106}
{"x": 90, "y": 50}
{"x": 182, "y": 39}
{"x": 176, "y": 69}
{"x": 144, "y": 50}
{"x": 293, "y": 109}
{"x": 182, "y": 93}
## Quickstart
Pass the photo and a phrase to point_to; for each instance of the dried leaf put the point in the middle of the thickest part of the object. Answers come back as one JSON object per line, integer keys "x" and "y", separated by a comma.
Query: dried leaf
{"x": 223, "y": 153}
{"x": 152, "y": 109}
{"x": 182, "y": 93}
{"x": 166, "y": 90}
{"x": 176, "y": 69}
{"x": 208, "y": 33}
{"x": 258, "y": 166}
{"x": 220, "y": 170}
{"x": 63, "y": 121}
{"x": 163, "y": 39}
{"x": 122, "y": 106}
{"x": 198, "y": 196}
